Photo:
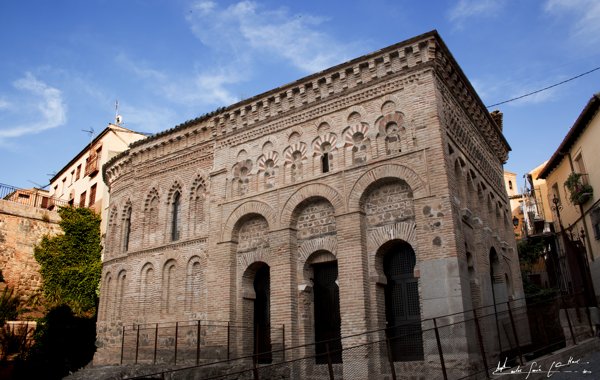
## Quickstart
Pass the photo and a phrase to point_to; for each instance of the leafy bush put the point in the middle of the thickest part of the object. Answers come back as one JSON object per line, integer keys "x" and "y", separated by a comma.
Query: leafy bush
{"x": 9, "y": 306}
{"x": 70, "y": 263}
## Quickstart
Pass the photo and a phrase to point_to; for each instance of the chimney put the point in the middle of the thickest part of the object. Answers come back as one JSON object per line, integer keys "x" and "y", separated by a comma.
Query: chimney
{"x": 497, "y": 117}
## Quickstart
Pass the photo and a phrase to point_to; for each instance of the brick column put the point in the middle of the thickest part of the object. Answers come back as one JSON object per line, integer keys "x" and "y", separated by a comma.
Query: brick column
{"x": 284, "y": 292}
{"x": 354, "y": 293}
{"x": 221, "y": 279}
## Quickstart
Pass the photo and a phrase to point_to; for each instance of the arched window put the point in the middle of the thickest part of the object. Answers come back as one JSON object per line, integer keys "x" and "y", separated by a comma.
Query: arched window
{"x": 126, "y": 228}
{"x": 392, "y": 138}
{"x": 402, "y": 308}
{"x": 359, "y": 150}
{"x": 169, "y": 289}
{"x": 296, "y": 166}
{"x": 325, "y": 149}
{"x": 327, "y": 317}
{"x": 120, "y": 294}
{"x": 262, "y": 315}
{"x": 175, "y": 216}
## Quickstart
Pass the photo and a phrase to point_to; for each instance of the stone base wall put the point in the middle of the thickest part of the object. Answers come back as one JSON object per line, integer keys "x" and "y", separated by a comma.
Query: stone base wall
{"x": 21, "y": 228}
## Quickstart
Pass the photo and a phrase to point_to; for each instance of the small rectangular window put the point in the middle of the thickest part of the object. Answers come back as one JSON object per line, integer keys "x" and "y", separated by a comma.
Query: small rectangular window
{"x": 580, "y": 168}
{"x": 596, "y": 222}
{"x": 82, "y": 199}
{"x": 92, "y": 195}
{"x": 78, "y": 174}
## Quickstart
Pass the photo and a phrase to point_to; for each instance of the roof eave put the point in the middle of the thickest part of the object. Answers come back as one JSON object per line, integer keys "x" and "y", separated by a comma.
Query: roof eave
{"x": 578, "y": 127}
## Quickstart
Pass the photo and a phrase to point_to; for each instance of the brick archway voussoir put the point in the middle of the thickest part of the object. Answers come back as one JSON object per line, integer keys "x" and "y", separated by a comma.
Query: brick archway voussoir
{"x": 417, "y": 185}
{"x": 250, "y": 207}
{"x": 309, "y": 191}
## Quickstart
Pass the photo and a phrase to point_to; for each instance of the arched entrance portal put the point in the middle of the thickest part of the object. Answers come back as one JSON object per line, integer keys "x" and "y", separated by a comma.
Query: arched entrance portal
{"x": 262, "y": 315}
{"x": 402, "y": 310}
{"x": 327, "y": 312}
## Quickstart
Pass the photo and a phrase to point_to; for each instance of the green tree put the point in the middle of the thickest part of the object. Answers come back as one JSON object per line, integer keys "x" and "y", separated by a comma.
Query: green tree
{"x": 70, "y": 262}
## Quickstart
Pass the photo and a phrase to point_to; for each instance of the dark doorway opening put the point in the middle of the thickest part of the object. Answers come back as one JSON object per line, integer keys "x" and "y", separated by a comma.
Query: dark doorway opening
{"x": 402, "y": 310}
{"x": 262, "y": 319}
{"x": 327, "y": 313}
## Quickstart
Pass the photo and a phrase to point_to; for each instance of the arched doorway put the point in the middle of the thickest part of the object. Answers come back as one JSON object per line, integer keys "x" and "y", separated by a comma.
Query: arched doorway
{"x": 402, "y": 309}
{"x": 327, "y": 317}
{"x": 262, "y": 315}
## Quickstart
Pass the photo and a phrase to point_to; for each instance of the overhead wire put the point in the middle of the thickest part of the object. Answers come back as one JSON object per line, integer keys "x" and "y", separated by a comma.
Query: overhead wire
{"x": 544, "y": 89}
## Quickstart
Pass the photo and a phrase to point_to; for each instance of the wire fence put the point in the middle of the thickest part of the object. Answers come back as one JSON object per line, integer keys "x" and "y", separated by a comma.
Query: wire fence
{"x": 457, "y": 346}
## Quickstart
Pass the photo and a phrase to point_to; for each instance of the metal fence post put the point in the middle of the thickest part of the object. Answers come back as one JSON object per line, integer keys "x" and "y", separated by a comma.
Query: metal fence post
{"x": 137, "y": 344}
{"x": 283, "y": 340}
{"x": 514, "y": 328}
{"x": 390, "y": 358}
{"x": 155, "y": 342}
{"x": 122, "y": 344}
{"x": 329, "y": 365}
{"x": 255, "y": 356}
{"x": 441, "y": 352}
{"x": 589, "y": 317}
{"x": 198, "y": 342}
{"x": 481, "y": 348}
{"x": 568, "y": 319}
{"x": 176, "y": 335}
{"x": 228, "y": 338}
{"x": 255, "y": 368}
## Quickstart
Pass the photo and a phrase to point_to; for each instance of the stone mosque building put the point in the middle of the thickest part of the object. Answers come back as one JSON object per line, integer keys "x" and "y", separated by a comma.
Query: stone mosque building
{"x": 361, "y": 197}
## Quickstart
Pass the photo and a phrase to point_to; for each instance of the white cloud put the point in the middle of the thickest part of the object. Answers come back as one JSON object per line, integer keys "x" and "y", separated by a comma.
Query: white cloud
{"x": 246, "y": 30}
{"x": 200, "y": 88}
{"x": 586, "y": 17}
{"x": 149, "y": 118}
{"x": 34, "y": 94}
{"x": 465, "y": 9}
{"x": 4, "y": 104}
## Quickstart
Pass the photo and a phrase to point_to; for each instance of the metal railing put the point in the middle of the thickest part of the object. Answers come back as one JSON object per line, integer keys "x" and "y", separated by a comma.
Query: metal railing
{"x": 455, "y": 346}
{"x": 191, "y": 342}
{"x": 34, "y": 198}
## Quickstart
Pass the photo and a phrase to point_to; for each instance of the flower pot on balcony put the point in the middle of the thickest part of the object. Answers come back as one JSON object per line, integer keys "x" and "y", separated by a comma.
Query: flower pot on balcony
{"x": 580, "y": 192}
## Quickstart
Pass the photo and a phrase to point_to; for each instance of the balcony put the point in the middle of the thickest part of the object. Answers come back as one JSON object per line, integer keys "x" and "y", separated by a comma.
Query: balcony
{"x": 33, "y": 197}
{"x": 92, "y": 165}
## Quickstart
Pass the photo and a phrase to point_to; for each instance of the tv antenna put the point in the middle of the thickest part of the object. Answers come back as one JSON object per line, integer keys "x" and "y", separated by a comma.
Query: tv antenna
{"x": 38, "y": 185}
{"x": 118, "y": 118}
{"x": 90, "y": 131}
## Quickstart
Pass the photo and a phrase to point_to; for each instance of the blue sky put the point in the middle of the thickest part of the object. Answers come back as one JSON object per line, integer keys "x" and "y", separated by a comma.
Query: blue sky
{"x": 64, "y": 63}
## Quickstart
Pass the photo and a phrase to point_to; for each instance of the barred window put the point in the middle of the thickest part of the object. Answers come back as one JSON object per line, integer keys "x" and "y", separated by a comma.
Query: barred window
{"x": 596, "y": 222}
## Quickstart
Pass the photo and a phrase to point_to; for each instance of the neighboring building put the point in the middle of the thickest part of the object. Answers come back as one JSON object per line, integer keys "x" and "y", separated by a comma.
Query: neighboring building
{"x": 364, "y": 196}
{"x": 24, "y": 220}
{"x": 580, "y": 215}
{"x": 528, "y": 204}
{"x": 516, "y": 203}
{"x": 79, "y": 182}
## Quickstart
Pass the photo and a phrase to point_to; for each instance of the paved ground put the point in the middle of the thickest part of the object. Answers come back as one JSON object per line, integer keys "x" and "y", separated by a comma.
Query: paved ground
{"x": 588, "y": 367}
{"x": 572, "y": 363}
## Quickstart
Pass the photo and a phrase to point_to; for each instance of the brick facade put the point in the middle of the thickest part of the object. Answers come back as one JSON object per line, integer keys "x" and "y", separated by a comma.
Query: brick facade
{"x": 342, "y": 166}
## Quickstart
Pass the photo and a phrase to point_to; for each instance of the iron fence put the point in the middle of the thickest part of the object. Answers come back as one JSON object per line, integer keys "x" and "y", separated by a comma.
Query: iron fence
{"x": 466, "y": 345}
{"x": 192, "y": 342}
